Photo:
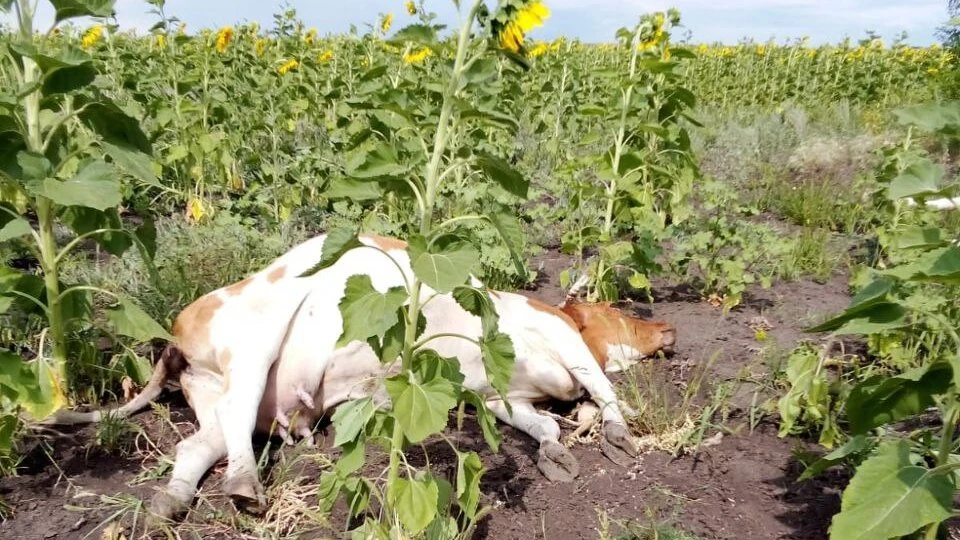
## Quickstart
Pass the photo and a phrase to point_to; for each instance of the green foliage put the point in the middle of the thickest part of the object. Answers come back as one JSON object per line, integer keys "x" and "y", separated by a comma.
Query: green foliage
{"x": 398, "y": 164}
{"x": 56, "y": 130}
{"x": 648, "y": 169}
{"x": 724, "y": 253}
{"x": 907, "y": 484}
{"x": 809, "y": 400}
{"x": 892, "y": 496}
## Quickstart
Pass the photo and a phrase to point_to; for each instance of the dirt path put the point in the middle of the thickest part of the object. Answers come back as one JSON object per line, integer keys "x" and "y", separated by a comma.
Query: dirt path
{"x": 742, "y": 488}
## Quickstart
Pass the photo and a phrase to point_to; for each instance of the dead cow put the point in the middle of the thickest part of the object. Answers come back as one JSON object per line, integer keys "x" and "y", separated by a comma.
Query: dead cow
{"x": 263, "y": 350}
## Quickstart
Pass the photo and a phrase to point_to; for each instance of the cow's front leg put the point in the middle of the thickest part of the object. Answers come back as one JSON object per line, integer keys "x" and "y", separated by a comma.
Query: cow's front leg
{"x": 554, "y": 460}
{"x": 195, "y": 454}
{"x": 237, "y": 414}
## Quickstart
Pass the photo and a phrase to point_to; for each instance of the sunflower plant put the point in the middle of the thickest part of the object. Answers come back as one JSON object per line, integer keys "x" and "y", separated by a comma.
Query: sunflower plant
{"x": 647, "y": 170}
{"x": 428, "y": 139}
{"x": 68, "y": 155}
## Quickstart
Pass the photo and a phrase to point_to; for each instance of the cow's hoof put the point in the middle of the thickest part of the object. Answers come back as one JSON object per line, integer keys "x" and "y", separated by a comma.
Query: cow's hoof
{"x": 618, "y": 445}
{"x": 557, "y": 463}
{"x": 246, "y": 493}
{"x": 164, "y": 508}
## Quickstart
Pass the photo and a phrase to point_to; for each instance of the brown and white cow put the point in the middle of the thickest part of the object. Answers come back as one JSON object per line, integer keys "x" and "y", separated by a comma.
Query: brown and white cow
{"x": 262, "y": 352}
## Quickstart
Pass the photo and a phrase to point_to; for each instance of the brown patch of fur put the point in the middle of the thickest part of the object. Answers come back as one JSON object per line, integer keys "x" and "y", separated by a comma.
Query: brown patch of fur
{"x": 192, "y": 327}
{"x": 552, "y": 310}
{"x": 601, "y": 325}
{"x": 385, "y": 242}
{"x": 277, "y": 274}
{"x": 238, "y": 287}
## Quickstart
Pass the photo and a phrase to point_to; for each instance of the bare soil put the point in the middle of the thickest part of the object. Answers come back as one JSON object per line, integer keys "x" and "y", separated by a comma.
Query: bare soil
{"x": 742, "y": 488}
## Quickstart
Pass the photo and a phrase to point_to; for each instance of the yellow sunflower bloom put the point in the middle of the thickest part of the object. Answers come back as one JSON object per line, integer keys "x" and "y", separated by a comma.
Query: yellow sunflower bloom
{"x": 161, "y": 41}
{"x": 527, "y": 18}
{"x": 511, "y": 38}
{"x": 92, "y": 36}
{"x": 415, "y": 57}
{"x": 411, "y": 7}
{"x": 259, "y": 46}
{"x": 325, "y": 57}
{"x": 532, "y": 16}
{"x": 539, "y": 50}
{"x": 311, "y": 36}
{"x": 224, "y": 36}
{"x": 288, "y": 66}
{"x": 387, "y": 23}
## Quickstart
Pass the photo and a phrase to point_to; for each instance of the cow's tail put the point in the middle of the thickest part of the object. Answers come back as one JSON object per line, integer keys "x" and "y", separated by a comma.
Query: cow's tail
{"x": 171, "y": 363}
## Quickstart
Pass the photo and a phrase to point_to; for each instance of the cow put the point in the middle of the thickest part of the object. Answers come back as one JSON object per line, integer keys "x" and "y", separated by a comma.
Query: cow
{"x": 263, "y": 352}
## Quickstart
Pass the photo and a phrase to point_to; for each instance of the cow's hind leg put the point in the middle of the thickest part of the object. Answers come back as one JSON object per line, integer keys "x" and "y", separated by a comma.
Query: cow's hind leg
{"x": 554, "y": 460}
{"x": 195, "y": 454}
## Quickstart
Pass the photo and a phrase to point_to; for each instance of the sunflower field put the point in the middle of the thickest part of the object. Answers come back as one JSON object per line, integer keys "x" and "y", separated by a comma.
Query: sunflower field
{"x": 791, "y": 208}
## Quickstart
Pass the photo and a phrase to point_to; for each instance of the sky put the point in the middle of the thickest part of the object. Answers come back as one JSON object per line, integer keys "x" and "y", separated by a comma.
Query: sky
{"x": 727, "y": 21}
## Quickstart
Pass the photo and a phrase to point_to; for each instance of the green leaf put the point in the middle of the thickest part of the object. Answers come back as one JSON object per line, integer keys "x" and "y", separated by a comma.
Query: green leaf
{"x": 889, "y": 497}
{"x": 68, "y": 79}
{"x": 869, "y": 312}
{"x": 415, "y": 502}
{"x": 83, "y": 220}
{"x": 381, "y": 161}
{"x": 879, "y": 400}
{"x": 133, "y": 162}
{"x": 429, "y": 365}
{"x": 920, "y": 178}
{"x": 915, "y": 237}
{"x": 803, "y": 377}
{"x": 68, "y": 9}
{"x": 498, "y": 361}
{"x": 353, "y": 189}
{"x": 15, "y": 228}
{"x": 486, "y": 419}
{"x": 367, "y": 312}
{"x": 128, "y": 319}
{"x": 445, "y": 264}
{"x": 504, "y": 174}
{"x": 96, "y": 186}
{"x": 114, "y": 125}
{"x": 934, "y": 117}
{"x": 49, "y": 60}
{"x": 146, "y": 234}
{"x": 356, "y": 491}
{"x": 945, "y": 268}
{"x": 879, "y": 318}
{"x": 509, "y": 228}
{"x": 856, "y": 445}
{"x": 337, "y": 243}
{"x": 392, "y": 343}
{"x": 350, "y": 418}
{"x": 328, "y": 490}
{"x": 29, "y": 385}
{"x": 417, "y": 33}
{"x": 353, "y": 456}
{"x": 33, "y": 166}
{"x": 469, "y": 471}
{"x": 477, "y": 302}
{"x": 421, "y": 409}
{"x": 13, "y": 284}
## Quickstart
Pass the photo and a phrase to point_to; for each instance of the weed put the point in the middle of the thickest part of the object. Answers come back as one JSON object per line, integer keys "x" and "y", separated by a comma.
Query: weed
{"x": 670, "y": 413}
{"x": 814, "y": 252}
{"x": 115, "y": 435}
{"x": 652, "y": 527}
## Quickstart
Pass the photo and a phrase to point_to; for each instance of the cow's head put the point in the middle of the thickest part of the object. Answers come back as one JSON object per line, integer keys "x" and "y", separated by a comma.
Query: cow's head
{"x": 616, "y": 339}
